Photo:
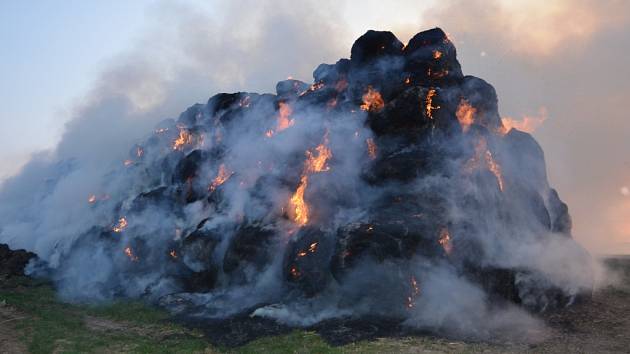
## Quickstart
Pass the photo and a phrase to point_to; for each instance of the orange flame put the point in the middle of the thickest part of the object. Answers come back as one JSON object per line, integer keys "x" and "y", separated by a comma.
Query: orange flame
{"x": 129, "y": 253}
{"x": 527, "y": 124}
{"x": 482, "y": 152}
{"x": 300, "y": 207}
{"x": 120, "y": 225}
{"x": 222, "y": 176}
{"x": 465, "y": 114}
{"x": 407, "y": 81}
{"x": 184, "y": 138}
{"x": 445, "y": 241}
{"x": 429, "y": 103}
{"x": 313, "y": 164}
{"x": 283, "y": 119}
{"x": 371, "y": 146}
{"x": 437, "y": 54}
{"x": 173, "y": 254}
{"x": 372, "y": 100}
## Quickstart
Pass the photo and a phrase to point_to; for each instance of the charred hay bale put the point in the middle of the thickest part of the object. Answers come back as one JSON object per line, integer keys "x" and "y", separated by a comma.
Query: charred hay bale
{"x": 331, "y": 74}
{"x": 12, "y": 262}
{"x": 374, "y": 45}
{"x": 482, "y": 97}
{"x": 249, "y": 247}
{"x": 559, "y": 213}
{"x": 197, "y": 253}
{"x": 307, "y": 259}
{"x": 193, "y": 115}
{"x": 380, "y": 241}
{"x": 290, "y": 88}
{"x": 431, "y": 59}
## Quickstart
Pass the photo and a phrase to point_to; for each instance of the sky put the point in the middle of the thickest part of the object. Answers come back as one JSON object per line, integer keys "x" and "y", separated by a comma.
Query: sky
{"x": 561, "y": 61}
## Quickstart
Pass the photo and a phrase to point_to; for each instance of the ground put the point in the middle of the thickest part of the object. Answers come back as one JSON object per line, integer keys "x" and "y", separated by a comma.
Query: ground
{"x": 32, "y": 320}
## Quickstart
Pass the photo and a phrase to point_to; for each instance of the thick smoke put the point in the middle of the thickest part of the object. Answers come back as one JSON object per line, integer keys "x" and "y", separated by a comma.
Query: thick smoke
{"x": 388, "y": 187}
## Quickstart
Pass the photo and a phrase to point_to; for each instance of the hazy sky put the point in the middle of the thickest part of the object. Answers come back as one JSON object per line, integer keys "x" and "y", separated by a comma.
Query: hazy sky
{"x": 564, "y": 59}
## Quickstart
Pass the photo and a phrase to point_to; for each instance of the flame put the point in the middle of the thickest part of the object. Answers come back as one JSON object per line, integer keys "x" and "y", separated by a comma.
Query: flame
{"x": 371, "y": 146}
{"x": 313, "y": 164}
{"x": 313, "y": 247}
{"x": 494, "y": 167}
{"x": 120, "y": 225}
{"x": 129, "y": 253}
{"x": 128, "y": 163}
{"x": 445, "y": 241}
{"x": 245, "y": 101}
{"x": 527, "y": 124}
{"x": 415, "y": 291}
{"x": 92, "y": 199}
{"x": 283, "y": 119}
{"x": 300, "y": 207}
{"x": 437, "y": 54}
{"x": 173, "y": 254}
{"x": 429, "y": 103}
{"x": 482, "y": 152}
{"x": 372, "y": 100}
{"x": 465, "y": 114}
{"x": 437, "y": 75}
{"x": 222, "y": 176}
{"x": 407, "y": 81}
{"x": 139, "y": 151}
{"x": 184, "y": 138}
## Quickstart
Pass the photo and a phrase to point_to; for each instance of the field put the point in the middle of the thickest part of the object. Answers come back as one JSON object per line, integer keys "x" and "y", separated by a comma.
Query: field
{"x": 32, "y": 320}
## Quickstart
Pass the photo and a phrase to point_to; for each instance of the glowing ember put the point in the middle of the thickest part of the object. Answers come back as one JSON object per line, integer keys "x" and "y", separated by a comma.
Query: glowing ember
{"x": 528, "y": 124}
{"x": 120, "y": 225}
{"x": 222, "y": 176}
{"x": 314, "y": 87}
{"x": 173, "y": 254}
{"x": 128, "y": 163}
{"x": 92, "y": 199}
{"x": 437, "y": 54}
{"x": 184, "y": 138}
{"x": 465, "y": 115}
{"x": 407, "y": 81}
{"x": 494, "y": 167}
{"x": 313, "y": 247}
{"x": 483, "y": 153}
{"x": 371, "y": 146}
{"x": 415, "y": 291}
{"x": 294, "y": 272}
{"x": 129, "y": 253}
{"x": 372, "y": 101}
{"x": 429, "y": 103}
{"x": 445, "y": 241}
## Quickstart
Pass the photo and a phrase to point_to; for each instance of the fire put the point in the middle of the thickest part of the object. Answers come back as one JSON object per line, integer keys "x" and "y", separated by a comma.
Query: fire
{"x": 184, "y": 138}
{"x": 173, "y": 254}
{"x": 245, "y": 101}
{"x": 299, "y": 205}
{"x": 139, "y": 151}
{"x": 222, "y": 176}
{"x": 313, "y": 164}
{"x": 528, "y": 124}
{"x": 371, "y": 146}
{"x": 92, "y": 199}
{"x": 120, "y": 225}
{"x": 445, "y": 241}
{"x": 429, "y": 103}
{"x": 494, "y": 167}
{"x": 372, "y": 100}
{"x": 312, "y": 248}
{"x": 415, "y": 291}
{"x": 465, "y": 114}
{"x": 314, "y": 87}
{"x": 407, "y": 81}
{"x": 437, "y": 54}
{"x": 283, "y": 119}
{"x": 294, "y": 272}
{"x": 483, "y": 153}
{"x": 128, "y": 163}
{"x": 129, "y": 253}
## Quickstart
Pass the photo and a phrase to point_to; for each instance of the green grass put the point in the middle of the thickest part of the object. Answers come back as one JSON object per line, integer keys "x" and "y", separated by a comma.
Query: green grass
{"x": 54, "y": 326}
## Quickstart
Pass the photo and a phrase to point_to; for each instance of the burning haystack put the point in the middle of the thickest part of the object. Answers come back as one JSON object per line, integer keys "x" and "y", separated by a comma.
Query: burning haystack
{"x": 388, "y": 187}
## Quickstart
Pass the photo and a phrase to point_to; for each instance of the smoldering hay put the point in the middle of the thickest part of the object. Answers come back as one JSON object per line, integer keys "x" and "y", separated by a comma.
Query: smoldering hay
{"x": 388, "y": 187}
